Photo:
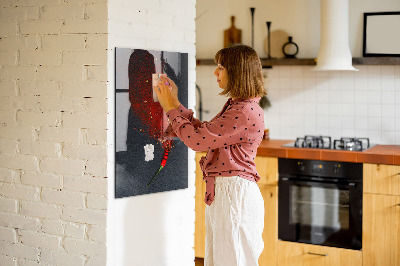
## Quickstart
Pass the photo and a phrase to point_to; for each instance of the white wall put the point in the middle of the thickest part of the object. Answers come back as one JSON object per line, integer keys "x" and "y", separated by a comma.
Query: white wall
{"x": 338, "y": 104}
{"x": 155, "y": 229}
{"x": 299, "y": 18}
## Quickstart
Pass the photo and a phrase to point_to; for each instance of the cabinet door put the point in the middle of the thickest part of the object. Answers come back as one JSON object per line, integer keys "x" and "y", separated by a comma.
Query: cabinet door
{"x": 270, "y": 233}
{"x": 381, "y": 230}
{"x": 297, "y": 254}
{"x": 200, "y": 207}
{"x": 267, "y": 168}
{"x": 381, "y": 179}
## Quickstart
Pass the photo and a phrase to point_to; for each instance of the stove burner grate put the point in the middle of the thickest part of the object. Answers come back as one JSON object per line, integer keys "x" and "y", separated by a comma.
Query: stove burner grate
{"x": 351, "y": 144}
{"x": 324, "y": 142}
{"x": 321, "y": 142}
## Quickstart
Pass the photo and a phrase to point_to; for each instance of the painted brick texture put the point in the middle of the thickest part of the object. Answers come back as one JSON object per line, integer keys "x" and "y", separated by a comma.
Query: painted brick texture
{"x": 53, "y": 110}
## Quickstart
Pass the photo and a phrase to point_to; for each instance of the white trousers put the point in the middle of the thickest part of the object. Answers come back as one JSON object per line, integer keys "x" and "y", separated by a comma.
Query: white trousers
{"x": 234, "y": 223}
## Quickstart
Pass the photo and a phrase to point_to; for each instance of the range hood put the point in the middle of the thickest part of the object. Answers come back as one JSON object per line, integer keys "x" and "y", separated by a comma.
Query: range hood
{"x": 334, "y": 51}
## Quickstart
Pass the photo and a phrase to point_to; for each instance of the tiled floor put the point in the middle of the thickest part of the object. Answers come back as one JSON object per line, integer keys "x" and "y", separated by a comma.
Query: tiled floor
{"x": 199, "y": 262}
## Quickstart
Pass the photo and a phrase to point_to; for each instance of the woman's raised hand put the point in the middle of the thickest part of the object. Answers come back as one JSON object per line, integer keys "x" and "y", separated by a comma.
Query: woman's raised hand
{"x": 174, "y": 91}
{"x": 164, "y": 95}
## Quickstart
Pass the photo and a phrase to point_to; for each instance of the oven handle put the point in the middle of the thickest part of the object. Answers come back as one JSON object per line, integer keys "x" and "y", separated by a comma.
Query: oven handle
{"x": 297, "y": 181}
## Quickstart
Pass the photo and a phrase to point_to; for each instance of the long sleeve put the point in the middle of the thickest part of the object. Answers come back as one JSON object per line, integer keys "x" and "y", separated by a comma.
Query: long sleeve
{"x": 231, "y": 138}
{"x": 225, "y": 130}
{"x": 186, "y": 113}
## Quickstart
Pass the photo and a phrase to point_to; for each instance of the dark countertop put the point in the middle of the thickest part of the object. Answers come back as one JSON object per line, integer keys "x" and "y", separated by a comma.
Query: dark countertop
{"x": 379, "y": 154}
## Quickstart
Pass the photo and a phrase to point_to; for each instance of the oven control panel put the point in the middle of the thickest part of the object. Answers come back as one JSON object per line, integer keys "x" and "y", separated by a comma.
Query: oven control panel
{"x": 331, "y": 169}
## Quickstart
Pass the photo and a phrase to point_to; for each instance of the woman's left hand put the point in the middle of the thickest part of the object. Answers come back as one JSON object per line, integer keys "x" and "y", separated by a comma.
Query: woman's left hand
{"x": 164, "y": 94}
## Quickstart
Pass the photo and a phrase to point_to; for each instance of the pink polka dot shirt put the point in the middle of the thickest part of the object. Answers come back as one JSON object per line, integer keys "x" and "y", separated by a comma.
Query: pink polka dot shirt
{"x": 231, "y": 139}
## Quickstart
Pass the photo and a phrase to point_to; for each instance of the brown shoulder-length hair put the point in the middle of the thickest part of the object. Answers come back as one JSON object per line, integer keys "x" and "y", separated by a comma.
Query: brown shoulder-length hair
{"x": 245, "y": 78}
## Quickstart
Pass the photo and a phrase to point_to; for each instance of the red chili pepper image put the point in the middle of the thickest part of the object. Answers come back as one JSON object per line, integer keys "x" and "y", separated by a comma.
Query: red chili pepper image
{"x": 167, "y": 147}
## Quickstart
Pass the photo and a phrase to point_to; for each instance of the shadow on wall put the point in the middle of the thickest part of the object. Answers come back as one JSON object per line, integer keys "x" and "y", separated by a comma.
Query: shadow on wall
{"x": 146, "y": 231}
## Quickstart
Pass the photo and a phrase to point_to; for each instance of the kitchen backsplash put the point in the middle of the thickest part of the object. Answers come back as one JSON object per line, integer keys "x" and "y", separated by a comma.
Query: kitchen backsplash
{"x": 332, "y": 103}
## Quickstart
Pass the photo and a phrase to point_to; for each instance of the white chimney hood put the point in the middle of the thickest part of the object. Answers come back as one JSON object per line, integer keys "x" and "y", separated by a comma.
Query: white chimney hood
{"x": 334, "y": 51}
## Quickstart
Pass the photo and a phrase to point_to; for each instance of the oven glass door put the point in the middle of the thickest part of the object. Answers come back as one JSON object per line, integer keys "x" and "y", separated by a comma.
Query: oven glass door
{"x": 321, "y": 213}
{"x": 318, "y": 207}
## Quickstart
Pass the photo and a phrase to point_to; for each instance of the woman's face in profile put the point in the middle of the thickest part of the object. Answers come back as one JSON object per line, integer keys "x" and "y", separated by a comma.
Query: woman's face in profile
{"x": 222, "y": 76}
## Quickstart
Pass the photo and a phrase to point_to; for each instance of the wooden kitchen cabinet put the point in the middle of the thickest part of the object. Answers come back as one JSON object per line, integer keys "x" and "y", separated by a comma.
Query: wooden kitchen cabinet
{"x": 200, "y": 207}
{"x": 267, "y": 168}
{"x": 381, "y": 215}
{"x": 381, "y": 179}
{"x": 381, "y": 230}
{"x": 298, "y": 254}
{"x": 270, "y": 233}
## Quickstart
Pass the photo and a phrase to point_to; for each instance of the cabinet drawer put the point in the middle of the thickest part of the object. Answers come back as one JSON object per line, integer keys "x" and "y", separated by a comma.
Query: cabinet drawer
{"x": 381, "y": 179}
{"x": 293, "y": 254}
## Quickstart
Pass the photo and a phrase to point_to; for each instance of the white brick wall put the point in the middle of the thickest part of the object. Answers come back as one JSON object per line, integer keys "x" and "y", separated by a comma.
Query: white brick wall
{"x": 53, "y": 127}
{"x": 53, "y": 109}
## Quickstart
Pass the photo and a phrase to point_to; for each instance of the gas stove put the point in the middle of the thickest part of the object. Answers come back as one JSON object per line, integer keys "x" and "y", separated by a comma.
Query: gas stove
{"x": 325, "y": 142}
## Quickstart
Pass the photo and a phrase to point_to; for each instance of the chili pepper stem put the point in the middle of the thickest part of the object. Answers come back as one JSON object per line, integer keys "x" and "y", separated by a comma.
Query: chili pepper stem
{"x": 161, "y": 167}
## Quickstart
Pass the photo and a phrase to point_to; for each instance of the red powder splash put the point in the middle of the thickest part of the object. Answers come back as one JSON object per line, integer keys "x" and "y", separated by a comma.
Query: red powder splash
{"x": 140, "y": 70}
{"x": 166, "y": 143}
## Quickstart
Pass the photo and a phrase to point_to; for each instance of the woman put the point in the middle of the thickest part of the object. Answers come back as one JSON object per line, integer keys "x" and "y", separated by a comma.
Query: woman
{"x": 235, "y": 207}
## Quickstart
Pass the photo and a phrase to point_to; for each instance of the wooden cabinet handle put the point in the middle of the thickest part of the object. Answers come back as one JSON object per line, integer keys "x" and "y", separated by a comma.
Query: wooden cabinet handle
{"x": 318, "y": 254}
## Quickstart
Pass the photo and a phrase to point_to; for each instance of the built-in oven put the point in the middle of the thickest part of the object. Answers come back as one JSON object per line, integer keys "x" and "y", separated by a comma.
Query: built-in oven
{"x": 320, "y": 202}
